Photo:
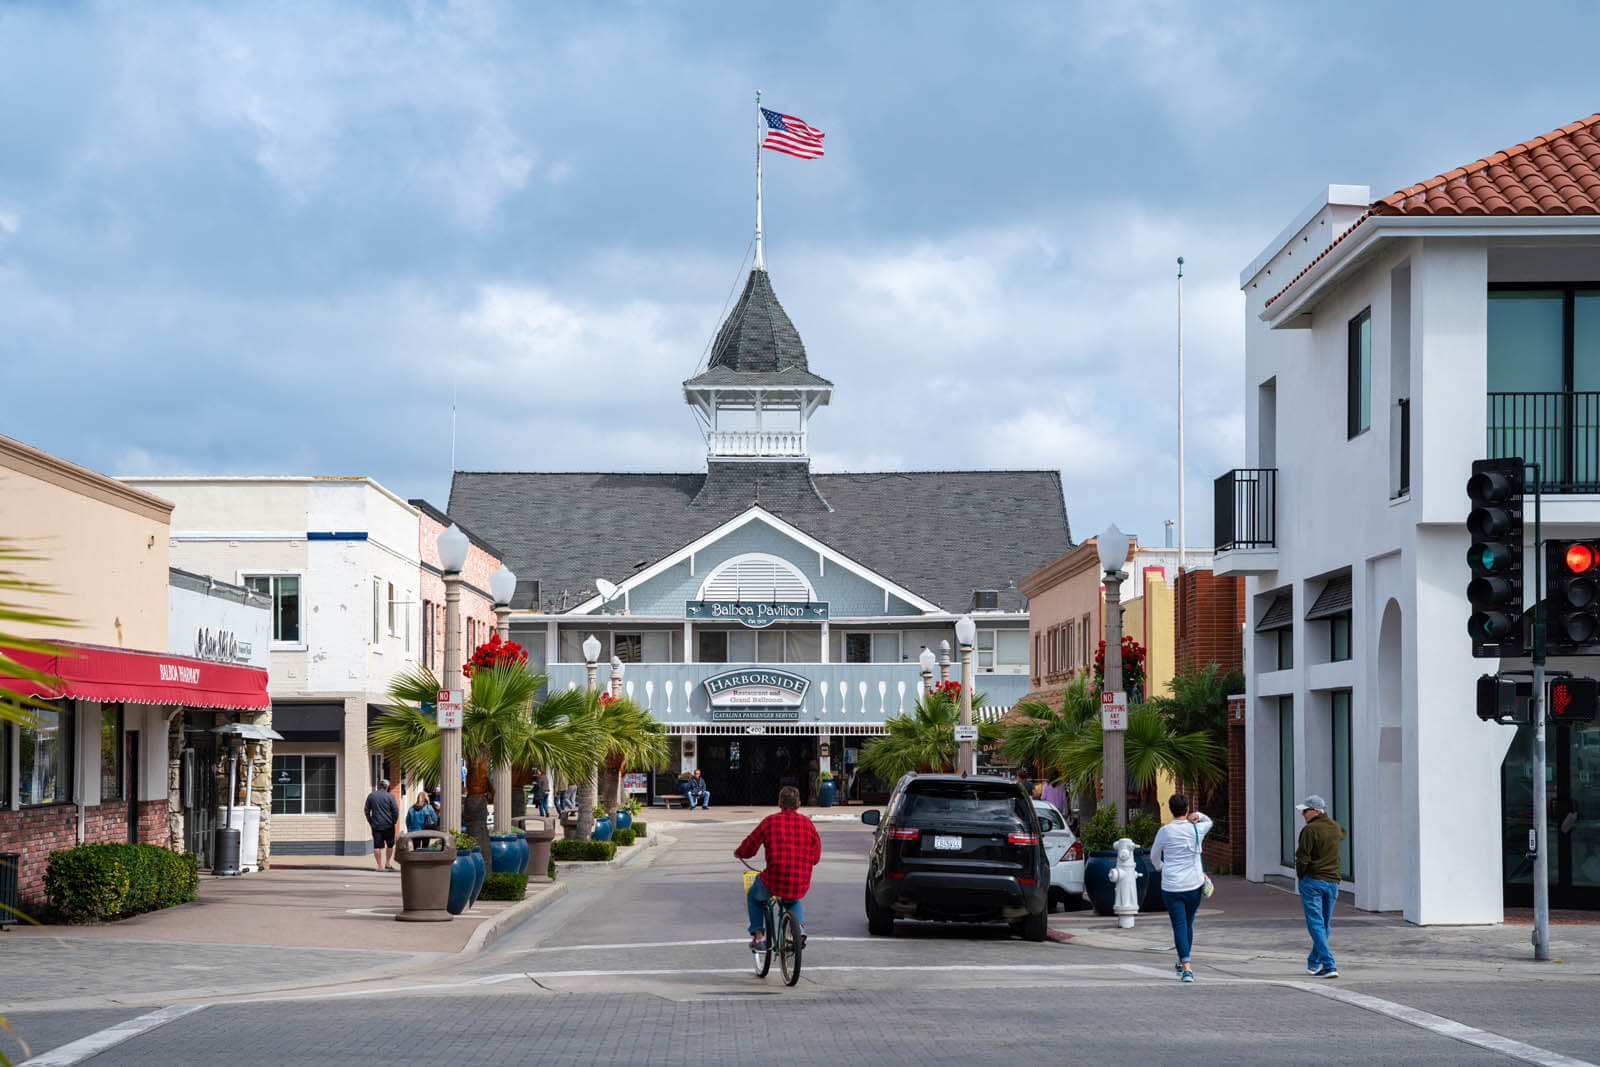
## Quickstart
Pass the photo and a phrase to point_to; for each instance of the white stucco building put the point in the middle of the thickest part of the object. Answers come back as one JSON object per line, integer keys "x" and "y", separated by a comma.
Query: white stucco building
{"x": 338, "y": 557}
{"x": 1390, "y": 343}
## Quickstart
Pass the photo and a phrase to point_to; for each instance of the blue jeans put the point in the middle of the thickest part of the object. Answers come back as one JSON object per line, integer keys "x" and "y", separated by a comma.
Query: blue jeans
{"x": 1317, "y": 898}
{"x": 704, "y": 797}
{"x": 1181, "y": 906}
{"x": 755, "y": 902}
{"x": 544, "y": 803}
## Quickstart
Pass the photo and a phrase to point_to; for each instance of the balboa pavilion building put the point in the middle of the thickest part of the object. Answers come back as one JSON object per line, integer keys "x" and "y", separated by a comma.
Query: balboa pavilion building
{"x": 770, "y": 617}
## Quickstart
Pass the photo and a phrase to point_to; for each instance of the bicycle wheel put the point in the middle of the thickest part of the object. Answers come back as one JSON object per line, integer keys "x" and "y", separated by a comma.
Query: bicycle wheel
{"x": 763, "y": 961}
{"x": 789, "y": 950}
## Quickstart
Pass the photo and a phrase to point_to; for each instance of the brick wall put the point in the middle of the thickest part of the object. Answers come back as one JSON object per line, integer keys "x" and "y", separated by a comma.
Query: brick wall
{"x": 1210, "y": 611}
{"x": 1231, "y": 852}
{"x": 36, "y": 832}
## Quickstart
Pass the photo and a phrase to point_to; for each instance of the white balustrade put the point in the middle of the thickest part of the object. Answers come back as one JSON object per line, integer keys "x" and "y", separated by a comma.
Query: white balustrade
{"x": 758, "y": 442}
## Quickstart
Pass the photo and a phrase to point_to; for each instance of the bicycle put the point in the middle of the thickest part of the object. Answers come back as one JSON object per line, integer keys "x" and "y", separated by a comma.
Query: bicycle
{"x": 784, "y": 937}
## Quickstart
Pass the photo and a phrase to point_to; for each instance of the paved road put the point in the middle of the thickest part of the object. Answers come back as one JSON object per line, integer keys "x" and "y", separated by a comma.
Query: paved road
{"x": 648, "y": 964}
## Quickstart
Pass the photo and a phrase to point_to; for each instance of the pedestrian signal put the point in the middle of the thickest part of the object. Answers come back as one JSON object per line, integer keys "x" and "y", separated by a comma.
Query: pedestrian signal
{"x": 1573, "y": 699}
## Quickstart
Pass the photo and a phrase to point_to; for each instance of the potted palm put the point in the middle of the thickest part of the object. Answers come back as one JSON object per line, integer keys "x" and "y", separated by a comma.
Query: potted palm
{"x": 924, "y": 739}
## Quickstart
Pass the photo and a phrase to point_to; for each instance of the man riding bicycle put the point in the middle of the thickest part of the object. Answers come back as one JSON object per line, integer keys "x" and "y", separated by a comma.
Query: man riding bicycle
{"x": 793, "y": 848}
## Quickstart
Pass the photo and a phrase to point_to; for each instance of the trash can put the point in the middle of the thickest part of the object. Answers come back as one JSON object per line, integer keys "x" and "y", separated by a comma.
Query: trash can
{"x": 425, "y": 857}
{"x": 538, "y": 832}
{"x": 247, "y": 820}
{"x": 225, "y": 850}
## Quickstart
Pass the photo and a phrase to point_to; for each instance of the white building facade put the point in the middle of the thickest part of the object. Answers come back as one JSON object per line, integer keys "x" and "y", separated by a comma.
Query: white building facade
{"x": 338, "y": 558}
{"x": 1388, "y": 345}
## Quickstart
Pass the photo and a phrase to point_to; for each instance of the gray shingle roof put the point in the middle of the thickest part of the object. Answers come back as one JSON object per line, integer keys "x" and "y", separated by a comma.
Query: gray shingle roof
{"x": 1334, "y": 599}
{"x": 1279, "y": 614}
{"x": 758, "y": 336}
{"x": 940, "y": 534}
{"x": 782, "y": 488}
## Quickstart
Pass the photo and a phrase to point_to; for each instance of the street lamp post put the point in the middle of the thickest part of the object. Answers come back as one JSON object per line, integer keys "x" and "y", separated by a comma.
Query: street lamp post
{"x": 502, "y": 585}
{"x": 944, "y": 662}
{"x": 614, "y": 790}
{"x": 453, "y": 546}
{"x": 586, "y": 789}
{"x": 966, "y": 636}
{"x": 926, "y": 659}
{"x": 1112, "y": 547}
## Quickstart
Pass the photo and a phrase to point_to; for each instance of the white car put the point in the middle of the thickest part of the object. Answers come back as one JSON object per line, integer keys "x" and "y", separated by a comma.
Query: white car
{"x": 1065, "y": 853}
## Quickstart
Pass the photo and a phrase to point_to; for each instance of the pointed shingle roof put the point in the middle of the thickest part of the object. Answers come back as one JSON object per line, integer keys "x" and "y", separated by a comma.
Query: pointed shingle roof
{"x": 758, "y": 344}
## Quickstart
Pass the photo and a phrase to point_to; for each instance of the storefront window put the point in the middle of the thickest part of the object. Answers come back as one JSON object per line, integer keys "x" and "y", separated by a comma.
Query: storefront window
{"x": 858, "y": 648}
{"x": 111, "y": 726}
{"x": 1287, "y": 830}
{"x": 1341, "y": 780}
{"x": 45, "y": 758}
{"x": 713, "y": 647}
{"x": 304, "y": 785}
{"x": 629, "y": 648}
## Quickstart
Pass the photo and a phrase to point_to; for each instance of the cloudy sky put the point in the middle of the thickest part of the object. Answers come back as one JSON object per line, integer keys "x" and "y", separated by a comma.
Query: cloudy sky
{"x": 272, "y": 238}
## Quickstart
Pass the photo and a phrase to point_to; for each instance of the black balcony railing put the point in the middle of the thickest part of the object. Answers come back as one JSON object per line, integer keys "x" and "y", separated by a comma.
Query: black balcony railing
{"x": 1245, "y": 508}
{"x": 1558, "y": 431}
{"x": 1403, "y": 485}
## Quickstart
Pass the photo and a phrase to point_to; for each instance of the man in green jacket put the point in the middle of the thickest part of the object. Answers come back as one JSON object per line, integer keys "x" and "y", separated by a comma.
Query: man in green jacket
{"x": 1316, "y": 865}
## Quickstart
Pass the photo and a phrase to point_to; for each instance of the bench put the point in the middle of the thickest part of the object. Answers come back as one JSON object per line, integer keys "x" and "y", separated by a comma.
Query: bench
{"x": 670, "y": 801}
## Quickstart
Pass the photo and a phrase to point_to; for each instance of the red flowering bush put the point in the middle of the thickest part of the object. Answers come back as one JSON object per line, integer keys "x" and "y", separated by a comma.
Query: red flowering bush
{"x": 606, "y": 698}
{"x": 1133, "y": 667}
{"x": 495, "y": 653}
{"x": 948, "y": 689}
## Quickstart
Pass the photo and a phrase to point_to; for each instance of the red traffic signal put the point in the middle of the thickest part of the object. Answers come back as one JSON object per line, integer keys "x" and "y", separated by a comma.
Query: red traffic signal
{"x": 1580, "y": 557}
{"x": 1573, "y": 699}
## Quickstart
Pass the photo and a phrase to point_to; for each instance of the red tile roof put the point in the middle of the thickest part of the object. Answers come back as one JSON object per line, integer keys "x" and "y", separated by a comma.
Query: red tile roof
{"x": 1554, "y": 174}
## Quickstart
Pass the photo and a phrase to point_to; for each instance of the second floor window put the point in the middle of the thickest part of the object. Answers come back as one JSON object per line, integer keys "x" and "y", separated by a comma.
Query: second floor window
{"x": 1359, "y": 415}
{"x": 284, "y": 592}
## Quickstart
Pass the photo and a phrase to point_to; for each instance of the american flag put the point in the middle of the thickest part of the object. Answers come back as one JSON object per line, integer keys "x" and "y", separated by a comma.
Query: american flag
{"x": 785, "y": 133}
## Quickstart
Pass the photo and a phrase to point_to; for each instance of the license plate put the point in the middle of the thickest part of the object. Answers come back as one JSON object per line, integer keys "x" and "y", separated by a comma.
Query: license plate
{"x": 947, "y": 842}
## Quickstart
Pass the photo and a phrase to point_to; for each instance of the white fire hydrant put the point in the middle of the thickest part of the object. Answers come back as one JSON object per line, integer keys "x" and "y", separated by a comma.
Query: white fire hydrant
{"x": 1125, "y": 876}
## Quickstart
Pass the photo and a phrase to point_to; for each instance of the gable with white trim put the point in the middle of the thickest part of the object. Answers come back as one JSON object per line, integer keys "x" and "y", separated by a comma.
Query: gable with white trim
{"x": 757, "y": 556}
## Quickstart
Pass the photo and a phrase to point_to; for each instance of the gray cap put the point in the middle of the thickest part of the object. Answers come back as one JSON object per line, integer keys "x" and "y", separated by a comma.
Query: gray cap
{"x": 1312, "y": 801}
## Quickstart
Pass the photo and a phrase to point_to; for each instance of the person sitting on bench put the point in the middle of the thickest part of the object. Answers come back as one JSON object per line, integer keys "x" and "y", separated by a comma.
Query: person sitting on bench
{"x": 697, "y": 791}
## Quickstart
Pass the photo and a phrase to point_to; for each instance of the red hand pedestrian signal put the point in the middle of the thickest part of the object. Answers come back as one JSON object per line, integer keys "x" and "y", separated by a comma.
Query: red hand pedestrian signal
{"x": 1573, "y": 699}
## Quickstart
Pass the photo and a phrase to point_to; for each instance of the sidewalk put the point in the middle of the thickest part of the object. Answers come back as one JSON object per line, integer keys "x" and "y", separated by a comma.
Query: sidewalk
{"x": 307, "y": 918}
{"x": 1262, "y": 923}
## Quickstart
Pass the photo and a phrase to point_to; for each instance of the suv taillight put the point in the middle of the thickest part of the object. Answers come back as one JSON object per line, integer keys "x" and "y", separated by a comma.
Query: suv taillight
{"x": 904, "y": 833}
{"x": 1023, "y": 839}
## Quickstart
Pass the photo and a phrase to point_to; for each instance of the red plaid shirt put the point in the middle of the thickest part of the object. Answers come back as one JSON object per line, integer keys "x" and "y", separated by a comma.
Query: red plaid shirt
{"x": 793, "y": 848}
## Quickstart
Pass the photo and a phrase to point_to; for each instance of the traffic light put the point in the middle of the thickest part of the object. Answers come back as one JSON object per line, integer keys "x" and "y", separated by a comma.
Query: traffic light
{"x": 1495, "y": 557}
{"x": 1572, "y": 626}
{"x": 1573, "y": 699}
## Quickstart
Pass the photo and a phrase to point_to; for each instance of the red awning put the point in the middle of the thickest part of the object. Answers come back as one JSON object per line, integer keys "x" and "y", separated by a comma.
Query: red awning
{"x": 95, "y": 672}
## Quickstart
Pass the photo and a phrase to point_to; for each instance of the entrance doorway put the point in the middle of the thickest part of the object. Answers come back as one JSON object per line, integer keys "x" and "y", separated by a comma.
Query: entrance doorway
{"x": 748, "y": 771}
{"x": 130, "y": 760}
{"x": 1572, "y": 798}
{"x": 198, "y": 784}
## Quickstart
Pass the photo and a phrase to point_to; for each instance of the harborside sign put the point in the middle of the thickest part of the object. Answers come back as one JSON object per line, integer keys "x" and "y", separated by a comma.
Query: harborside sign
{"x": 757, "y": 616}
{"x": 755, "y": 687}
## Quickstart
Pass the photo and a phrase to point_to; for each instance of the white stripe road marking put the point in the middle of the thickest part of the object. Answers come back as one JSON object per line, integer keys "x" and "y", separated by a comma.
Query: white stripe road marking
{"x": 96, "y": 1043}
{"x": 1438, "y": 1024}
{"x": 1013, "y": 967}
{"x": 677, "y": 944}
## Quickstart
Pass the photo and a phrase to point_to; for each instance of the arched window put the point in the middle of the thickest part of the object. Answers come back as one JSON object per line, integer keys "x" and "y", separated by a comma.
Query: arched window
{"x": 757, "y": 576}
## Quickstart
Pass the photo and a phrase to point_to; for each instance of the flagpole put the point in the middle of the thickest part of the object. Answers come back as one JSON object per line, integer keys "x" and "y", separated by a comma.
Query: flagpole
{"x": 761, "y": 258}
{"x": 1182, "y": 543}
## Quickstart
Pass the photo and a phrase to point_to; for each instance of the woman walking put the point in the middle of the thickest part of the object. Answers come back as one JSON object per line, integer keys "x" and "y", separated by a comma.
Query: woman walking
{"x": 1176, "y": 854}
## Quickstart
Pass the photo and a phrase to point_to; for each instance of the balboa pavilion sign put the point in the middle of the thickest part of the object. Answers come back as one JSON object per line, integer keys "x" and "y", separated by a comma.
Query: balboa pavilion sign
{"x": 757, "y": 616}
{"x": 764, "y": 693}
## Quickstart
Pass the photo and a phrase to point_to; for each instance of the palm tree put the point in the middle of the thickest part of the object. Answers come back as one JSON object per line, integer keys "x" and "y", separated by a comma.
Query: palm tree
{"x": 16, "y": 706}
{"x": 924, "y": 739}
{"x": 625, "y": 736}
{"x": 500, "y": 723}
{"x": 1042, "y": 730}
{"x": 1199, "y": 703}
{"x": 1150, "y": 744}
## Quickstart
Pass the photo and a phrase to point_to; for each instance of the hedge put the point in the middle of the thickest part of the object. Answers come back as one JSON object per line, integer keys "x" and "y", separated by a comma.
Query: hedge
{"x": 504, "y": 886}
{"x": 582, "y": 850}
{"x": 623, "y": 837}
{"x": 638, "y": 828}
{"x": 91, "y": 883}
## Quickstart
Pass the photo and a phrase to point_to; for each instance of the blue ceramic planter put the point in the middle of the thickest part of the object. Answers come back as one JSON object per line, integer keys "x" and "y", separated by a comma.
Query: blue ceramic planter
{"x": 479, "y": 872}
{"x": 502, "y": 854}
{"x": 1102, "y": 894}
{"x": 622, "y": 819}
{"x": 826, "y": 791}
{"x": 1150, "y": 896}
{"x": 602, "y": 829}
{"x": 462, "y": 878}
{"x": 520, "y": 845}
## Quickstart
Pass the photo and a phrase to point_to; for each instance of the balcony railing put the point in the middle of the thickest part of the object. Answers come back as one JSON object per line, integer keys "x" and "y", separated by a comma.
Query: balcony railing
{"x": 758, "y": 443}
{"x": 1402, "y": 448}
{"x": 1558, "y": 431}
{"x": 1245, "y": 508}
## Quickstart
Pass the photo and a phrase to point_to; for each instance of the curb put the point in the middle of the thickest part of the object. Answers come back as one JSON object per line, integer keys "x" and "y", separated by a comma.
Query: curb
{"x": 490, "y": 930}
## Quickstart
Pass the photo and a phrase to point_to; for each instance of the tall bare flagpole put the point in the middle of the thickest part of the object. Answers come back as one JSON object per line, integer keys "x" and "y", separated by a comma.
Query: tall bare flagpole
{"x": 1181, "y": 542}
{"x": 761, "y": 257}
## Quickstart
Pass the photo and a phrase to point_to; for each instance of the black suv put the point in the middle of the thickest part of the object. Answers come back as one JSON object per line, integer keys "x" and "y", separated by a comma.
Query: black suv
{"x": 958, "y": 849}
